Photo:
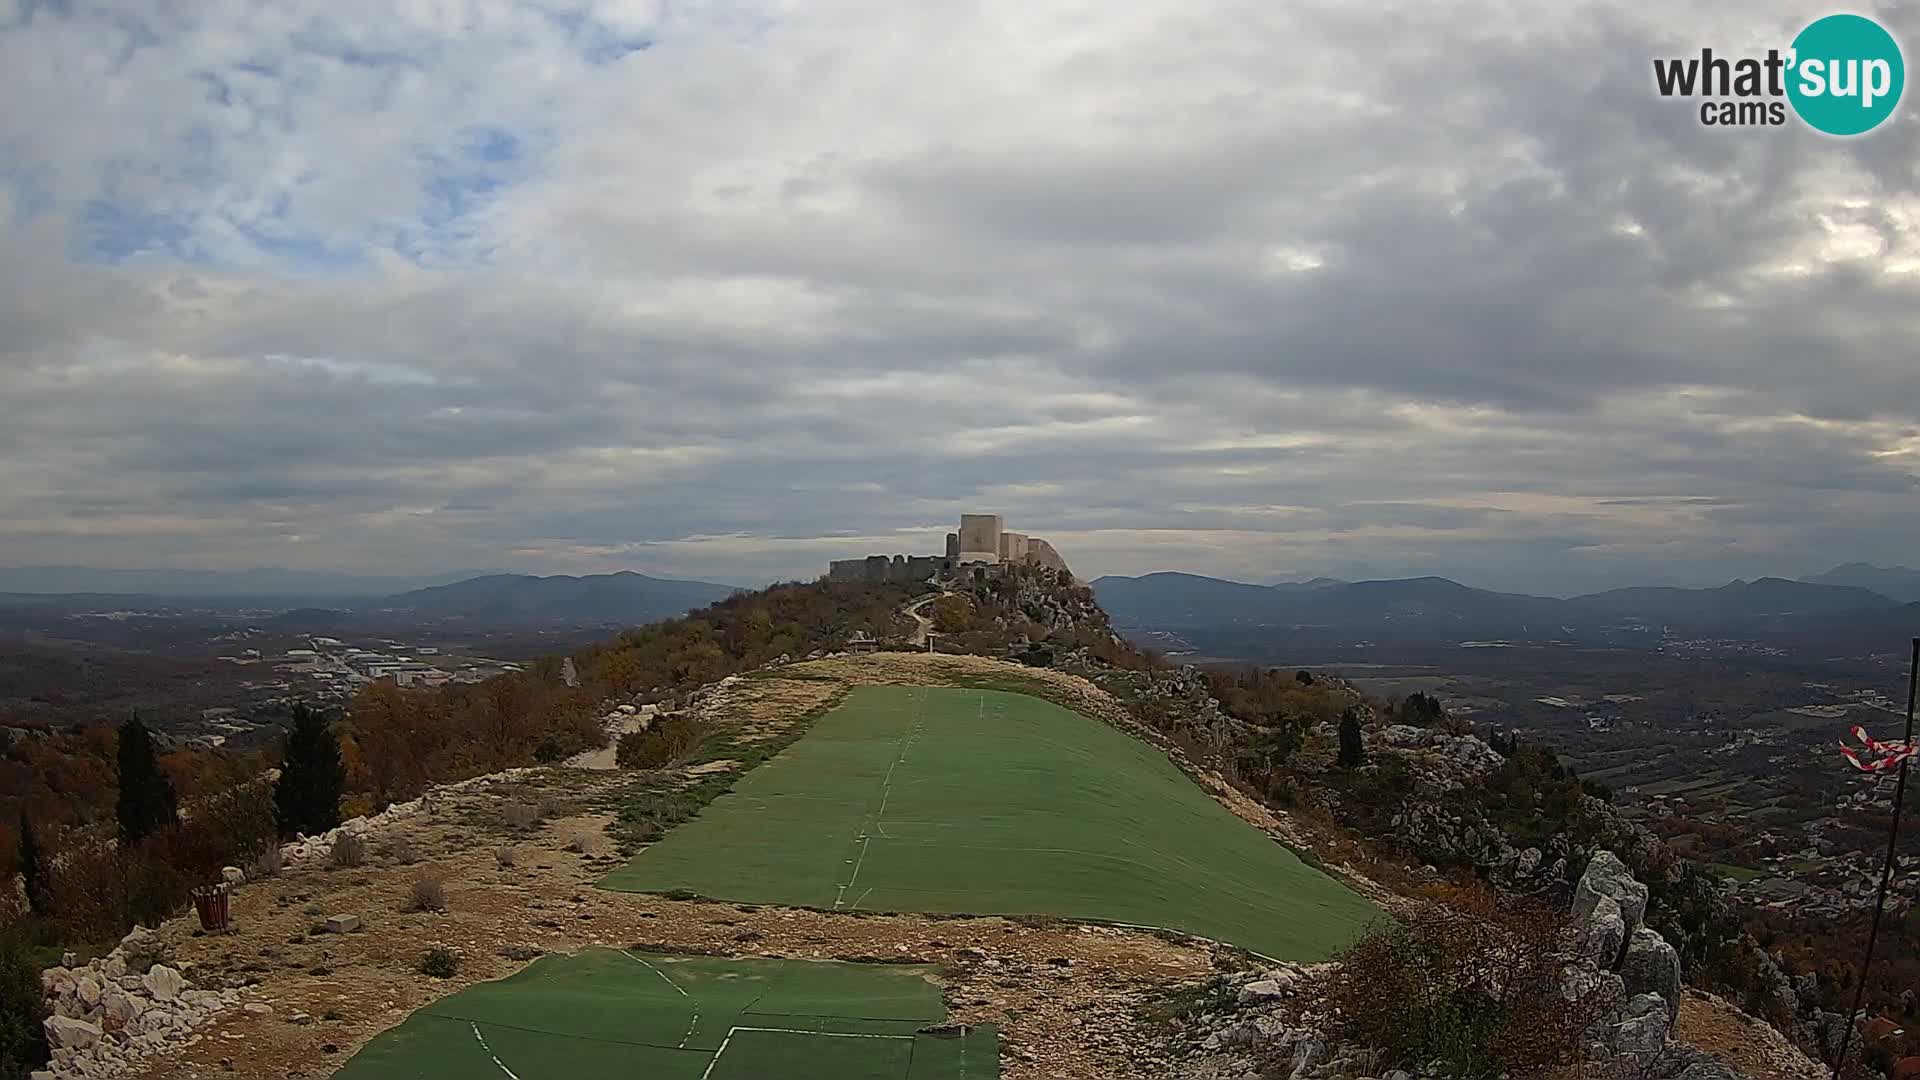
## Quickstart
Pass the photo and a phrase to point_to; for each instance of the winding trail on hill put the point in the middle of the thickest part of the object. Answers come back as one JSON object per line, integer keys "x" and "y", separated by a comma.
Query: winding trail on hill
{"x": 924, "y": 624}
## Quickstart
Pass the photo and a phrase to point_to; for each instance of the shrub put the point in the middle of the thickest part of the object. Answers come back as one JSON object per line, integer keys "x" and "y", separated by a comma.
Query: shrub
{"x": 1478, "y": 992}
{"x": 520, "y": 816}
{"x": 348, "y": 851}
{"x": 267, "y": 864}
{"x": 23, "y": 1041}
{"x": 505, "y": 856}
{"x": 668, "y": 740}
{"x": 439, "y": 963}
{"x": 429, "y": 894}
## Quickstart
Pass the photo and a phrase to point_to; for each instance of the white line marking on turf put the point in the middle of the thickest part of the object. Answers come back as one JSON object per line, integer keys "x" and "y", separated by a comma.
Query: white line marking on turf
{"x": 656, "y": 971}
{"x": 905, "y": 744}
{"x": 691, "y": 1024}
{"x": 490, "y": 1053}
{"x": 863, "y": 897}
{"x": 789, "y": 1031}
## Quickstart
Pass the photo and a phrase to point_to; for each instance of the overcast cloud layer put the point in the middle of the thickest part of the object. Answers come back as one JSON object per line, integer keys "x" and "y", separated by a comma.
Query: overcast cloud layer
{"x": 1246, "y": 288}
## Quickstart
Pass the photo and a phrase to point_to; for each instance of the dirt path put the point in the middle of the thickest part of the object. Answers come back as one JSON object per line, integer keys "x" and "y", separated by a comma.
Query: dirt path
{"x": 922, "y": 624}
{"x": 606, "y": 757}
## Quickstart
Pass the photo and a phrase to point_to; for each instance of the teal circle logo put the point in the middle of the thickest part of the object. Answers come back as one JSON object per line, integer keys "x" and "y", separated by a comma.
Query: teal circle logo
{"x": 1847, "y": 74}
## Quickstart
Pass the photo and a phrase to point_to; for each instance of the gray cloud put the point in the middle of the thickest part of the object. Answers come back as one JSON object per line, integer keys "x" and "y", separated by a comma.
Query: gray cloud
{"x": 1241, "y": 289}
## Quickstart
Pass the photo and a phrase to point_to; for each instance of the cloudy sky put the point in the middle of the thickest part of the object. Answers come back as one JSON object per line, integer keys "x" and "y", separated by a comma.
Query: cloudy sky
{"x": 727, "y": 289}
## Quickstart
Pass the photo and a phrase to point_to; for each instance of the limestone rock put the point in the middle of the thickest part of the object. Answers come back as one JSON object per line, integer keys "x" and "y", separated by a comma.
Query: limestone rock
{"x": 163, "y": 982}
{"x": 120, "y": 1009}
{"x": 343, "y": 924}
{"x": 1652, "y": 966}
{"x": 1604, "y": 934}
{"x": 1640, "y": 1036}
{"x": 64, "y": 1031}
{"x": 1607, "y": 876}
{"x": 233, "y": 875}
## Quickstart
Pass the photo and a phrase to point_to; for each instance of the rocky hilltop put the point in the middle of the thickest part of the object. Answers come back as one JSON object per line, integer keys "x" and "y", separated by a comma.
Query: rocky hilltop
{"x": 1573, "y": 918}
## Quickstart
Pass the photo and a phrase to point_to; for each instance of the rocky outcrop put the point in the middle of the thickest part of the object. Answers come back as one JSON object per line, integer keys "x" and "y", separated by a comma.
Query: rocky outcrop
{"x": 122, "y": 1008}
{"x": 1271, "y": 1024}
{"x": 1607, "y": 877}
{"x": 1651, "y": 966}
{"x": 1616, "y": 953}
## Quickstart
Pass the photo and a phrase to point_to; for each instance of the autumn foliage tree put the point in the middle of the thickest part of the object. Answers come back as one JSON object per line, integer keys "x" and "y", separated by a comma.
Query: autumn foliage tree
{"x": 952, "y": 614}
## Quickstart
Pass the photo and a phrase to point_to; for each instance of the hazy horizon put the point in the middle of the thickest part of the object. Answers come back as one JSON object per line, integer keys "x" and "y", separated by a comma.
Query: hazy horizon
{"x": 255, "y": 581}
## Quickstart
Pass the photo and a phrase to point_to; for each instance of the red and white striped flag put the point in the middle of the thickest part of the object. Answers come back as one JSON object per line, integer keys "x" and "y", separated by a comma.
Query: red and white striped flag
{"x": 1878, "y": 757}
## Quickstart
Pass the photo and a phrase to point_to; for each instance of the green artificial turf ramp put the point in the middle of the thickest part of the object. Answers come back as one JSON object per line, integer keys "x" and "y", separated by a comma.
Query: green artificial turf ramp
{"x": 983, "y": 802}
{"x": 609, "y": 1013}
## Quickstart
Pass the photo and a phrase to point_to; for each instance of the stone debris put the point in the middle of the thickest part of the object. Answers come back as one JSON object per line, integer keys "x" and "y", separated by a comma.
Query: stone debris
{"x": 108, "y": 1016}
{"x": 303, "y": 848}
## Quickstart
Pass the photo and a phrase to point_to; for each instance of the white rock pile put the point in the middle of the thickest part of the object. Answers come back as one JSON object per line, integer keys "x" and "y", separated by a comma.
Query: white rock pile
{"x": 106, "y": 1017}
{"x": 302, "y": 848}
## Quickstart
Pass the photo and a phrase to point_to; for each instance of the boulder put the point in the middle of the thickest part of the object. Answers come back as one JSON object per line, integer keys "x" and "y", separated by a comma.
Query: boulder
{"x": 1652, "y": 966}
{"x": 1607, "y": 876}
{"x": 1406, "y": 735}
{"x": 1475, "y": 754}
{"x": 233, "y": 875}
{"x": 64, "y": 1031}
{"x": 1576, "y": 982}
{"x": 120, "y": 1009}
{"x": 1640, "y": 1036}
{"x": 1528, "y": 862}
{"x": 163, "y": 982}
{"x": 1261, "y": 990}
{"x": 113, "y": 965}
{"x": 88, "y": 989}
{"x": 343, "y": 924}
{"x": 1604, "y": 934}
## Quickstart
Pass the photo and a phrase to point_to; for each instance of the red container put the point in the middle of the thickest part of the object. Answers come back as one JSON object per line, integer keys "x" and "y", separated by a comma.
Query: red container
{"x": 212, "y": 902}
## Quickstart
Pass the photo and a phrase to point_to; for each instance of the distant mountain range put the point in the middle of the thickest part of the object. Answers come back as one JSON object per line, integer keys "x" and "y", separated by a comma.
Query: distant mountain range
{"x": 625, "y": 597}
{"x": 1897, "y": 582}
{"x": 317, "y": 602}
{"x": 1437, "y": 609}
{"x": 210, "y": 584}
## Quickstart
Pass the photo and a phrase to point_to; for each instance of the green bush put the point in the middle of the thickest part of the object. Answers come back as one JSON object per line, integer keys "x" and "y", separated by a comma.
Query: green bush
{"x": 668, "y": 740}
{"x": 439, "y": 963}
{"x": 1475, "y": 990}
{"x": 23, "y": 1041}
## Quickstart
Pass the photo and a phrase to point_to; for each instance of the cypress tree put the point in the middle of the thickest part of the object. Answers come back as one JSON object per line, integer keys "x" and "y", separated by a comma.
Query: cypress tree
{"x": 306, "y": 798}
{"x": 147, "y": 802}
{"x": 31, "y": 868}
{"x": 1353, "y": 751}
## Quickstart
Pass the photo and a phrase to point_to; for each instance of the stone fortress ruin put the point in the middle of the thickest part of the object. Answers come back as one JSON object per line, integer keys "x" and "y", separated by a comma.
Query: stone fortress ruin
{"x": 982, "y": 542}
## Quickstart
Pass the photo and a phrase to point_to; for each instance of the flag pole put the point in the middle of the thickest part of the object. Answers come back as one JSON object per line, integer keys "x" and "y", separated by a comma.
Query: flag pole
{"x": 1886, "y": 874}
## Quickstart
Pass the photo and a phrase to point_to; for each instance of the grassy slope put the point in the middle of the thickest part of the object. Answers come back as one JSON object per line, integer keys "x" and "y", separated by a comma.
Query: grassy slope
{"x": 609, "y": 1013}
{"x": 971, "y": 801}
